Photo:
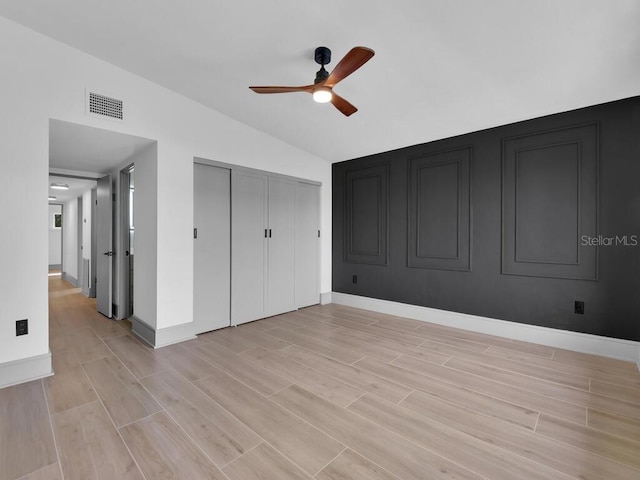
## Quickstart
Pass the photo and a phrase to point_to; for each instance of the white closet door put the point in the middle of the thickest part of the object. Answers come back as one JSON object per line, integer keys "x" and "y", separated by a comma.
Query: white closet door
{"x": 307, "y": 244}
{"x": 281, "y": 244}
{"x": 211, "y": 247}
{"x": 249, "y": 202}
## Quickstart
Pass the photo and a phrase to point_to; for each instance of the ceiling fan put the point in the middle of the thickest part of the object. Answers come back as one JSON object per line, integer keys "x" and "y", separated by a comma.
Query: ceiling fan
{"x": 322, "y": 88}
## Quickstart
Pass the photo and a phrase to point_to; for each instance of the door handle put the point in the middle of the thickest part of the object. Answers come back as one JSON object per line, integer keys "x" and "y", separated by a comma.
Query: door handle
{"x": 108, "y": 254}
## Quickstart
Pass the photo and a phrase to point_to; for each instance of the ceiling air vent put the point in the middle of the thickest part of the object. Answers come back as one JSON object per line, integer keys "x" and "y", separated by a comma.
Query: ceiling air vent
{"x": 105, "y": 106}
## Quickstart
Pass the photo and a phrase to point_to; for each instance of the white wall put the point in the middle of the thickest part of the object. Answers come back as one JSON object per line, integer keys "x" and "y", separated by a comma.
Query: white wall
{"x": 70, "y": 239}
{"x": 55, "y": 237}
{"x": 44, "y": 79}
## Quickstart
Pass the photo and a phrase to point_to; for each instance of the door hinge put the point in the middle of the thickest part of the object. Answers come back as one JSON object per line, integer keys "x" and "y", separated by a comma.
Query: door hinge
{"x": 195, "y": 233}
{"x": 318, "y": 233}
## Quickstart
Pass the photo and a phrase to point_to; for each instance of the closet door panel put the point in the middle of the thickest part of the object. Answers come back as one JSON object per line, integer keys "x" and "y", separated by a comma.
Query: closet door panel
{"x": 212, "y": 247}
{"x": 249, "y": 246}
{"x": 281, "y": 247}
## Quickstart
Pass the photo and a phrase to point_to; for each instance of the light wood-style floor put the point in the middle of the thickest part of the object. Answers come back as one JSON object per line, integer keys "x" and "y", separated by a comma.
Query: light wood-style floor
{"x": 328, "y": 392}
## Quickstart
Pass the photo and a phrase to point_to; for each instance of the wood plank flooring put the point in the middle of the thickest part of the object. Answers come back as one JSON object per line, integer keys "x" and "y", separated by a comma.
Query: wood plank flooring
{"x": 325, "y": 393}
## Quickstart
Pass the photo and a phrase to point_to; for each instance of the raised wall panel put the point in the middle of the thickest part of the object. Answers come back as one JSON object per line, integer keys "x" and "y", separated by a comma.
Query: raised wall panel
{"x": 547, "y": 204}
{"x": 439, "y": 210}
{"x": 366, "y": 215}
{"x": 550, "y": 201}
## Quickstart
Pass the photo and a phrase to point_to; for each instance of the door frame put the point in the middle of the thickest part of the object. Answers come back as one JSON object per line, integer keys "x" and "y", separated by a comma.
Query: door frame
{"x": 94, "y": 244}
{"x": 124, "y": 259}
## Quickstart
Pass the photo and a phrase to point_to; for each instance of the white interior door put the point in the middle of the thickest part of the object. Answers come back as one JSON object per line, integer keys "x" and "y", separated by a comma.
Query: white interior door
{"x": 248, "y": 237}
{"x": 307, "y": 244}
{"x": 80, "y": 276}
{"x": 212, "y": 248}
{"x": 104, "y": 241}
{"x": 281, "y": 247}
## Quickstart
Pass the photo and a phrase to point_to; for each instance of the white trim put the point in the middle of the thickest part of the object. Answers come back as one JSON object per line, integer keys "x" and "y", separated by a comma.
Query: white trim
{"x": 176, "y": 334}
{"x": 143, "y": 331}
{"x": 243, "y": 169}
{"x": 70, "y": 278}
{"x": 164, "y": 336}
{"x": 25, "y": 370}
{"x": 325, "y": 298}
{"x": 627, "y": 350}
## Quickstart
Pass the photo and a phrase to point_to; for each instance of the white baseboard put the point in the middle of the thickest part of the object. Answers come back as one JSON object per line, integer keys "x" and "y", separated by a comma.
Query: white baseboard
{"x": 176, "y": 334}
{"x": 70, "y": 278}
{"x": 143, "y": 331}
{"x": 163, "y": 336}
{"x": 579, "y": 342}
{"x": 25, "y": 370}
{"x": 325, "y": 298}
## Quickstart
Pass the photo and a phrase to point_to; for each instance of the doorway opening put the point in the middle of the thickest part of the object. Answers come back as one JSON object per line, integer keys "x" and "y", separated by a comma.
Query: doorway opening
{"x": 55, "y": 239}
{"x": 101, "y": 261}
{"x": 69, "y": 233}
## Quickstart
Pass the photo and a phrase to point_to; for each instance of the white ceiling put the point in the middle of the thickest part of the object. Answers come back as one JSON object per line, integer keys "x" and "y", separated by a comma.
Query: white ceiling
{"x": 441, "y": 67}
{"x": 77, "y": 186}
{"x": 77, "y": 151}
{"x": 89, "y": 149}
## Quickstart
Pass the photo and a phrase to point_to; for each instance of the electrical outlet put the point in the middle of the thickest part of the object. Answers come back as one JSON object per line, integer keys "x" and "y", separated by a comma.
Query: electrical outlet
{"x": 354, "y": 279}
{"x": 22, "y": 327}
{"x": 578, "y": 308}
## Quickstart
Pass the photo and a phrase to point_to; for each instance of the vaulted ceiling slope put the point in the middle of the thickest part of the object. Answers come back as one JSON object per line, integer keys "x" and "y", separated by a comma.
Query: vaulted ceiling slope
{"x": 441, "y": 68}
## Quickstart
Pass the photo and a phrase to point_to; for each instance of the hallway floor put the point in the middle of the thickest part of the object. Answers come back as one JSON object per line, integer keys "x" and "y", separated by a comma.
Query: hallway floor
{"x": 328, "y": 392}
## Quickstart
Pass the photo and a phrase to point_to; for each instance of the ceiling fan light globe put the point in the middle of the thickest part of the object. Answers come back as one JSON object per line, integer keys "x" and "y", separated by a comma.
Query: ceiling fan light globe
{"x": 322, "y": 95}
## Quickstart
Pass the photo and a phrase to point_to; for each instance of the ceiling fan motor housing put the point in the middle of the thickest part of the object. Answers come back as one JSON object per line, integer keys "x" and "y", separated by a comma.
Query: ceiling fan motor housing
{"x": 323, "y": 56}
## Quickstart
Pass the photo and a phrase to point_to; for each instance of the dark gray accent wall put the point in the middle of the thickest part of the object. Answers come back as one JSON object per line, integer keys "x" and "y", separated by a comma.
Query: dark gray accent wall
{"x": 515, "y": 222}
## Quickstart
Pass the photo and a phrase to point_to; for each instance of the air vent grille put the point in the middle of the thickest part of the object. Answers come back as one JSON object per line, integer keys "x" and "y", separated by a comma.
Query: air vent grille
{"x": 103, "y": 105}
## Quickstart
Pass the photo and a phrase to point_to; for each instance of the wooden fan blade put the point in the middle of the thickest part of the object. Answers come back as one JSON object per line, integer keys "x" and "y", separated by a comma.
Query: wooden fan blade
{"x": 305, "y": 88}
{"x": 343, "y": 105}
{"x": 352, "y": 61}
